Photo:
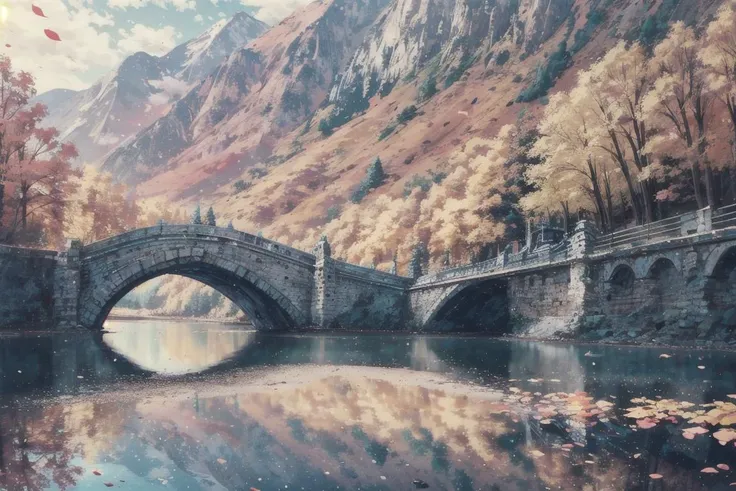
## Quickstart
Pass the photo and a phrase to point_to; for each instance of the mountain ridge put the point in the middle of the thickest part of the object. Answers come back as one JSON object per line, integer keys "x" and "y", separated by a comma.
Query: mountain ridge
{"x": 141, "y": 89}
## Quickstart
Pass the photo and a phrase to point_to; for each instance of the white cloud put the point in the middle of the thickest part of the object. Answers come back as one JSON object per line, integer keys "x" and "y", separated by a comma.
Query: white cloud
{"x": 137, "y": 4}
{"x": 149, "y": 39}
{"x": 199, "y": 18}
{"x": 84, "y": 52}
{"x": 274, "y": 11}
{"x": 171, "y": 89}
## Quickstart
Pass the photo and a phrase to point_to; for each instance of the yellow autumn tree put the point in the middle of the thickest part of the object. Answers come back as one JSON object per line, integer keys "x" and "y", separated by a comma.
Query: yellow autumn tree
{"x": 680, "y": 103}
{"x": 719, "y": 56}
{"x": 573, "y": 159}
{"x": 451, "y": 217}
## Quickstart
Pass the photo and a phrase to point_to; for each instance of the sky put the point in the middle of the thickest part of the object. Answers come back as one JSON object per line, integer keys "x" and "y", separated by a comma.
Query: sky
{"x": 97, "y": 35}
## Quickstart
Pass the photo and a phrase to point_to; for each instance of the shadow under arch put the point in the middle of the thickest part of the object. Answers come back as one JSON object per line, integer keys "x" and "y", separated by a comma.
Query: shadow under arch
{"x": 264, "y": 305}
{"x": 476, "y": 307}
{"x": 721, "y": 283}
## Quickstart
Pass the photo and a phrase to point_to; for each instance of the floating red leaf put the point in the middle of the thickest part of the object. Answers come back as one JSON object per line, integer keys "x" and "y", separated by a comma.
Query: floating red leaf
{"x": 37, "y": 11}
{"x": 51, "y": 35}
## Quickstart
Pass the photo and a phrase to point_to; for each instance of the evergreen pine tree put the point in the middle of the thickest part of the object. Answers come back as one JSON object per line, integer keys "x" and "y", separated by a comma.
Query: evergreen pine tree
{"x": 211, "y": 220}
{"x": 376, "y": 175}
{"x": 197, "y": 216}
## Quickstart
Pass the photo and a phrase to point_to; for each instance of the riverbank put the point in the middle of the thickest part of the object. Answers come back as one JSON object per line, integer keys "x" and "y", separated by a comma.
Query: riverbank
{"x": 141, "y": 315}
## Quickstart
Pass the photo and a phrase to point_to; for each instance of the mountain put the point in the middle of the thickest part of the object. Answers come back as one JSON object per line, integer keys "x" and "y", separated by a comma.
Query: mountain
{"x": 142, "y": 88}
{"x": 279, "y": 137}
{"x": 231, "y": 120}
{"x": 325, "y": 62}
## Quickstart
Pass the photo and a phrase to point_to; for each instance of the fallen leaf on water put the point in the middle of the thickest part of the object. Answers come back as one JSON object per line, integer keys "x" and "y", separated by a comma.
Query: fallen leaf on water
{"x": 51, "y": 35}
{"x": 222, "y": 461}
{"x": 646, "y": 423}
{"x": 96, "y": 472}
{"x": 656, "y": 476}
{"x": 696, "y": 430}
{"x": 665, "y": 355}
{"x": 109, "y": 484}
{"x": 709, "y": 470}
{"x": 723, "y": 467}
{"x": 38, "y": 11}
{"x": 725, "y": 436}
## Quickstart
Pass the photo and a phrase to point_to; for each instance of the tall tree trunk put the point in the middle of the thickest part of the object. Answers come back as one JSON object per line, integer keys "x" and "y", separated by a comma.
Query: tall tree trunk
{"x": 624, "y": 166}
{"x": 695, "y": 169}
{"x": 565, "y": 215}
{"x": 647, "y": 193}
{"x": 597, "y": 195}
{"x": 2, "y": 203}
{"x": 710, "y": 187}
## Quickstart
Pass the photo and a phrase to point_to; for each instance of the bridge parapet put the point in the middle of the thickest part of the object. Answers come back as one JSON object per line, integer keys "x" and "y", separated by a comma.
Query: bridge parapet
{"x": 547, "y": 254}
{"x": 203, "y": 231}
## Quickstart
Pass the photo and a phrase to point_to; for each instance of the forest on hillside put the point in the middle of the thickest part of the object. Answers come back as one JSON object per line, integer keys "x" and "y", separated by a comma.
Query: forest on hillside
{"x": 647, "y": 130}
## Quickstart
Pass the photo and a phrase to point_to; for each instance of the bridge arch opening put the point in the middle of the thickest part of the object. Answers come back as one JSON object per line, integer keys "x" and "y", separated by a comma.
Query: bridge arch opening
{"x": 264, "y": 306}
{"x": 721, "y": 287}
{"x": 666, "y": 283}
{"x": 620, "y": 296}
{"x": 478, "y": 307}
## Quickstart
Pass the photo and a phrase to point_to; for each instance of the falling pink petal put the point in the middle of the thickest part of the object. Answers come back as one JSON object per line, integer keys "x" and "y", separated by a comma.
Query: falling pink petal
{"x": 656, "y": 476}
{"x": 723, "y": 467}
{"x": 51, "y": 35}
{"x": 709, "y": 470}
{"x": 38, "y": 11}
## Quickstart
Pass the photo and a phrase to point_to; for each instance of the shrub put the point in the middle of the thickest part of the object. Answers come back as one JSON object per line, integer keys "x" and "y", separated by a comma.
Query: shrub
{"x": 325, "y": 127}
{"x": 503, "y": 57}
{"x": 547, "y": 74}
{"x": 241, "y": 186}
{"x": 387, "y": 131}
{"x": 407, "y": 114}
{"x": 428, "y": 89}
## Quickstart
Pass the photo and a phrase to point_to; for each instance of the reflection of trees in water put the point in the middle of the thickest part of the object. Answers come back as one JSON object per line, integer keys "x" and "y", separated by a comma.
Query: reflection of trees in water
{"x": 356, "y": 428}
{"x": 34, "y": 450}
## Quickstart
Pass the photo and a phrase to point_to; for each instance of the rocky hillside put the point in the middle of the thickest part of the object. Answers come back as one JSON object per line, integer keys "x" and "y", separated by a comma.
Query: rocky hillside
{"x": 233, "y": 119}
{"x": 142, "y": 88}
{"x": 281, "y": 135}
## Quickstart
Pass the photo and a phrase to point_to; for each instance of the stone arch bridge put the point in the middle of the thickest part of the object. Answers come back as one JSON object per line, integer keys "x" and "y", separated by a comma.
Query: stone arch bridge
{"x": 678, "y": 274}
{"x": 278, "y": 287}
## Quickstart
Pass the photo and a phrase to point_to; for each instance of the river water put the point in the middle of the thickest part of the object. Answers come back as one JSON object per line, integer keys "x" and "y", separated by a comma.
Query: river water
{"x": 175, "y": 405}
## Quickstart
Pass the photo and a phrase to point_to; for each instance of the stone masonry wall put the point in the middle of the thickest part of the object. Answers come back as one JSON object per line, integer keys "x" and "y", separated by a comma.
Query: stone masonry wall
{"x": 366, "y": 299}
{"x": 26, "y": 288}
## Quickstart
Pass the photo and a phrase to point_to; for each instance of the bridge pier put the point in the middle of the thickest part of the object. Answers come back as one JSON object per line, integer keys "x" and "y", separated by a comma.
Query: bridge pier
{"x": 67, "y": 282}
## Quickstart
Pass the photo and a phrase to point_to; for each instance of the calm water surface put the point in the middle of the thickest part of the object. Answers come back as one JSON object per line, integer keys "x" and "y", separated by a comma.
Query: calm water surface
{"x": 156, "y": 405}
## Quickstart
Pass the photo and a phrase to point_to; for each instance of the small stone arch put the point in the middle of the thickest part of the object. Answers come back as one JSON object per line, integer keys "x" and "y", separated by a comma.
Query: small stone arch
{"x": 720, "y": 272}
{"x": 650, "y": 265}
{"x": 620, "y": 289}
{"x": 666, "y": 283}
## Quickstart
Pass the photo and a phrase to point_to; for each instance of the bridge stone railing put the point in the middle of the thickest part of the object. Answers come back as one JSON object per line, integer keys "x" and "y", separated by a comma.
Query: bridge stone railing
{"x": 203, "y": 231}
{"x": 547, "y": 254}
